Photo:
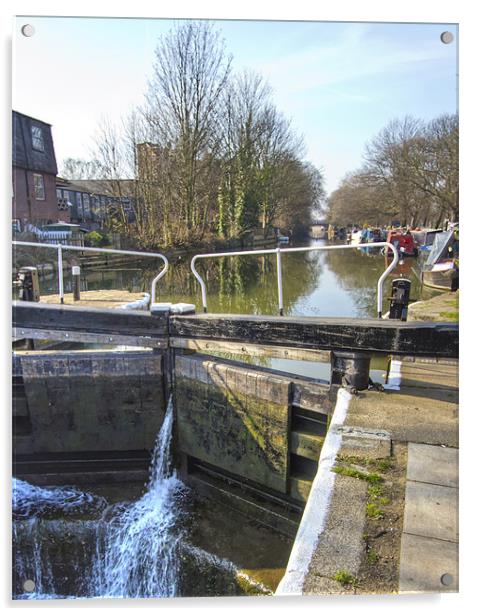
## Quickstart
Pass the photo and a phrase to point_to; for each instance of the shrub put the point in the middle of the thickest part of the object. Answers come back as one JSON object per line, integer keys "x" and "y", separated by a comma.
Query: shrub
{"x": 97, "y": 239}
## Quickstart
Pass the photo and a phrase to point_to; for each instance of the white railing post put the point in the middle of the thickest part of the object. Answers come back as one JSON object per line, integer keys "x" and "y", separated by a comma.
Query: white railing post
{"x": 60, "y": 273}
{"x": 279, "y": 282}
{"x": 156, "y": 279}
{"x": 381, "y": 280}
{"x": 201, "y": 283}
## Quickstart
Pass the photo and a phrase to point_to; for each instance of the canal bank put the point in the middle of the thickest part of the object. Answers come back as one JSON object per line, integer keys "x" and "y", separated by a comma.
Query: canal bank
{"x": 23, "y": 257}
{"x": 106, "y": 298}
{"x": 442, "y": 307}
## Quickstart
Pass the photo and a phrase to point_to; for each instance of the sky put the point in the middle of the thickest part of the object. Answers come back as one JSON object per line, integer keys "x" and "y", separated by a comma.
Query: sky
{"x": 339, "y": 83}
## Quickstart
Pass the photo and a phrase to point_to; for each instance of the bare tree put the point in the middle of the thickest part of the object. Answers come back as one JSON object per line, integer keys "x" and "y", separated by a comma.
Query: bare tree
{"x": 242, "y": 124}
{"x": 278, "y": 146}
{"x": 80, "y": 169}
{"x": 417, "y": 165}
{"x": 190, "y": 73}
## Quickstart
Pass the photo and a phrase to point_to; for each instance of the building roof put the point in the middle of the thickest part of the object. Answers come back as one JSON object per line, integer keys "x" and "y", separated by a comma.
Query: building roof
{"x": 108, "y": 188}
{"x": 19, "y": 113}
{"x": 60, "y": 225}
{"x": 24, "y": 155}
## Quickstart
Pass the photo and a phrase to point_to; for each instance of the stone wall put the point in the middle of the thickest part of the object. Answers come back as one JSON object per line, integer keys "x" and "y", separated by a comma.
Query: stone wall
{"x": 234, "y": 418}
{"x": 90, "y": 401}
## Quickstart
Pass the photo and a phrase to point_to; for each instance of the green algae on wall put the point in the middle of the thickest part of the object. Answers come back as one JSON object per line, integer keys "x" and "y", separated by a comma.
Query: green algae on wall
{"x": 234, "y": 419}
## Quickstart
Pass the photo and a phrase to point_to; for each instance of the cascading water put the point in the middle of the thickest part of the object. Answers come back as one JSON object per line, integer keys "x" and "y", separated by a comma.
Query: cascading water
{"x": 72, "y": 544}
{"x": 136, "y": 544}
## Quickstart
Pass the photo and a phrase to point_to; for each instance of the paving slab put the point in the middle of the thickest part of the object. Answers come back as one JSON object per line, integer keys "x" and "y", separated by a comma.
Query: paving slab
{"x": 430, "y": 375}
{"x": 357, "y": 441}
{"x": 407, "y": 416}
{"x": 432, "y": 464}
{"x": 431, "y": 511}
{"x": 428, "y": 565}
{"x": 101, "y": 298}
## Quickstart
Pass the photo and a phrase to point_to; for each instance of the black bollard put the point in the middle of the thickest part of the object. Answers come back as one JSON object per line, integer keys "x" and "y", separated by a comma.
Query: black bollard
{"x": 400, "y": 299}
{"x": 28, "y": 283}
{"x": 351, "y": 369}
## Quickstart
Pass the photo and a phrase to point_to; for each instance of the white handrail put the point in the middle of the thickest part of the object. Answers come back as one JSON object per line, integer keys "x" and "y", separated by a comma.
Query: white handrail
{"x": 136, "y": 253}
{"x": 278, "y": 251}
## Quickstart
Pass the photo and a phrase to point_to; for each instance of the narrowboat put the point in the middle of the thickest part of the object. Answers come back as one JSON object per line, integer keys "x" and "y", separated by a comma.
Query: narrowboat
{"x": 439, "y": 268}
{"x": 403, "y": 241}
{"x": 424, "y": 238}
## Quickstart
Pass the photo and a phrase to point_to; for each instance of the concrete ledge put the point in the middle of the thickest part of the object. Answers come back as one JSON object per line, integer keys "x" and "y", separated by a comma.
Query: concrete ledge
{"x": 408, "y": 416}
{"x": 317, "y": 509}
{"x": 341, "y": 544}
{"x": 364, "y": 442}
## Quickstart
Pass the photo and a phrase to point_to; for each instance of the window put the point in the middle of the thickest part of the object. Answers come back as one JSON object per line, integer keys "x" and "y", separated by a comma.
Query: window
{"x": 38, "y": 187}
{"x": 79, "y": 205}
{"x": 37, "y": 138}
{"x": 58, "y": 195}
{"x": 86, "y": 205}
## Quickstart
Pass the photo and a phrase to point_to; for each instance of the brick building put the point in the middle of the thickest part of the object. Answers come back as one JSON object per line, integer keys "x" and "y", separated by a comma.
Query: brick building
{"x": 34, "y": 171}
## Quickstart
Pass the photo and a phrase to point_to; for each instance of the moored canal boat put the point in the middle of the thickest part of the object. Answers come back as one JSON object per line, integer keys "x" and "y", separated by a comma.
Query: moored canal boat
{"x": 440, "y": 269}
{"x": 403, "y": 241}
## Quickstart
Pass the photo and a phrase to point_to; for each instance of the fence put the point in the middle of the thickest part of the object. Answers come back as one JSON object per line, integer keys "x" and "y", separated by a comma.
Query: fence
{"x": 60, "y": 237}
{"x": 279, "y": 251}
{"x": 59, "y": 248}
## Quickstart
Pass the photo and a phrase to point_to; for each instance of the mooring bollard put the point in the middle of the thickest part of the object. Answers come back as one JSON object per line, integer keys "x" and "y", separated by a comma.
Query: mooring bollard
{"x": 400, "y": 299}
{"x": 351, "y": 369}
{"x": 75, "y": 271}
{"x": 29, "y": 285}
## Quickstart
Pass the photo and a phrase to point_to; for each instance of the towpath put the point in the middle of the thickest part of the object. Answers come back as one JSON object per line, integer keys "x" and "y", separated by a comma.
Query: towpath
{"x": 390, "y": 520}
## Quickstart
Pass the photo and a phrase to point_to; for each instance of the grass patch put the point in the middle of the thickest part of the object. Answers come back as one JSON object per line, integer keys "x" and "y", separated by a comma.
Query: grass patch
{"x": 375, "y": 491}
{"x": 372, "y": 556}
{"x": 345, "y": 578}
{"x": 452, "y": 316}
{"x": 383, "y": 465}
{"x": 375, "y": 464}
{"x": 373, "y": 511}
{"x": 372, "y": 478}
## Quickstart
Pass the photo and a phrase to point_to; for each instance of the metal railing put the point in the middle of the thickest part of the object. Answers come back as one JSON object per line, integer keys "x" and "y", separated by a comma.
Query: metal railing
{"x": 61, "y": 247}
{"x": 278, "y": 252}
